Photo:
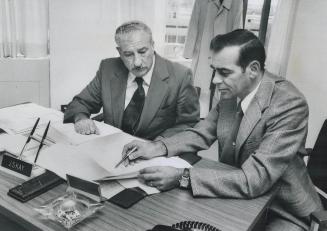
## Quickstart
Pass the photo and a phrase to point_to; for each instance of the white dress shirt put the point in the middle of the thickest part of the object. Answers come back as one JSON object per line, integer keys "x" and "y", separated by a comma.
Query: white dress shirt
{"x": 247, "y": 100}
{"x": 132, "y": 85}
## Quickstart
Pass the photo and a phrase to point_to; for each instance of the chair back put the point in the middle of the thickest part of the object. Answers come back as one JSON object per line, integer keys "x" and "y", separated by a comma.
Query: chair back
{"x": 317, "y": 164}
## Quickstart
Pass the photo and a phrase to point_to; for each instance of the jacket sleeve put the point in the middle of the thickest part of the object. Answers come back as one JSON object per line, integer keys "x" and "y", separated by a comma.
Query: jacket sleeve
{"x": 188, "y": 108}
{"x": 286, "y": 129}
{"x": 88, "y": 101}
{"x": 192, "y": 31}
{"x": 194, "y": 139}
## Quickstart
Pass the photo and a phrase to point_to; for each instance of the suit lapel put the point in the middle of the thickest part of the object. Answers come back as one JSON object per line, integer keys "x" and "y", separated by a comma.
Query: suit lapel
{"x": 254, "y": 112}
{"x": 118, "y": 85}
{"x": 156, "y": 93}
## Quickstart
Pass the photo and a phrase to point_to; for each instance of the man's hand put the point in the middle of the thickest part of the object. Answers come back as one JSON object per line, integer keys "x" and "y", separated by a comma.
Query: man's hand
{"x": 161, "y": 177}
{"x": 86, "y": 126}
{"x": 144, "y": 150}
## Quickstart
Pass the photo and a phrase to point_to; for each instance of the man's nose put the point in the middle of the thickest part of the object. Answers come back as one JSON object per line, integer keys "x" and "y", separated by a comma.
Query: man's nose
{"x": 217, "y": 79}
{"x": 137, "y": 61}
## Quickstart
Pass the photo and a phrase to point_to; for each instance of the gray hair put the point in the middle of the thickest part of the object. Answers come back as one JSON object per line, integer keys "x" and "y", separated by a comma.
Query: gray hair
{"x": 131, "y": 26}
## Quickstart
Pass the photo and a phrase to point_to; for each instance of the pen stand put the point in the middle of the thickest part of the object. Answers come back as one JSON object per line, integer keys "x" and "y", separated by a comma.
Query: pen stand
{"x": 18, "y": 165}
{"x": 9, "y": 161}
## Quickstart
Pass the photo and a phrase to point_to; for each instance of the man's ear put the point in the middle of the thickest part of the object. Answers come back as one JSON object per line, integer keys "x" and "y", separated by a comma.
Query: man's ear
{"x": 254, "y": 69}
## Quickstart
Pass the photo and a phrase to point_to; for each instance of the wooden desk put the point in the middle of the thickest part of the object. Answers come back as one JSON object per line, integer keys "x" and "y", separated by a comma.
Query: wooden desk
{"x": 165, "y": 208}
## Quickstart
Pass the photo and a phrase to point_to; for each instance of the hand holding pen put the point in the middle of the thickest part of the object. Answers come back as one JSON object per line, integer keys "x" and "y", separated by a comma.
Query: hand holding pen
{"x": 142, "y": 150}
{"x": 126, "y": 157}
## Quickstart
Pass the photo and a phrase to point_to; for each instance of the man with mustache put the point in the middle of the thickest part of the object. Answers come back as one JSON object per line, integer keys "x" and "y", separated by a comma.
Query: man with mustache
{"x": 141, "y": 93}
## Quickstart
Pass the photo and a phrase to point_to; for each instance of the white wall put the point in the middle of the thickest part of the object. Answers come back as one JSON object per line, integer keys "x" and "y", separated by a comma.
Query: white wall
{"x": 308, "y": 61}
{"x": 82, "y": 33}
{"x": 24, "y": 80}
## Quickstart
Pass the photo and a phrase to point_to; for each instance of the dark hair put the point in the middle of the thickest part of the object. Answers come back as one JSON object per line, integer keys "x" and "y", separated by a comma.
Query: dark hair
{"x": 251, "y": 47}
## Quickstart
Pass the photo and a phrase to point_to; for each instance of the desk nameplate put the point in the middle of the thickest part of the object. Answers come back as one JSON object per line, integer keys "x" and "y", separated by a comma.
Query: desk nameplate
{"x": 16, "y": 165}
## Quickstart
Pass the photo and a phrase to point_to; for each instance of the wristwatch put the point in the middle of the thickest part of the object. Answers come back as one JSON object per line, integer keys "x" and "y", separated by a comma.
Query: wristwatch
{"x": 184, "y": 182}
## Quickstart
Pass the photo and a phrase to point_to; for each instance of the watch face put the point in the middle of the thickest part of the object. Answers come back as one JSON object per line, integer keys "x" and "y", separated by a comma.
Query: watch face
{"x": 185, "y": 180}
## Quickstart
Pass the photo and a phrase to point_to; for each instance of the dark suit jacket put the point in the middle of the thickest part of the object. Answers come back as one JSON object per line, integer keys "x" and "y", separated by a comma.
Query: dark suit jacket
{"x": 269, "y": 144}
{"x": 171, "y": 104}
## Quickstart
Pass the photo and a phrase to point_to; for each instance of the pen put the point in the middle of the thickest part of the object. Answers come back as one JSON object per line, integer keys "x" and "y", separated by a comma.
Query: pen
{"x": 41, "y": 144}
{"x": 30, "y": 136}
{"x": 125, "y": 157}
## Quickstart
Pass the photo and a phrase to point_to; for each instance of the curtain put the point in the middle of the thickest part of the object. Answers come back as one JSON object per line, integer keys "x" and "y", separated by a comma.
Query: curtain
{"x": 24, "y": 28}
{"x": 280, "y": 37}
{"x": 152, "y": 13}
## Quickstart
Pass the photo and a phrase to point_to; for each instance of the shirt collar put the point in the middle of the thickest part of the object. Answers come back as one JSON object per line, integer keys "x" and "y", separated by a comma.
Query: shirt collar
{"x": 146, "y": 78}
{"x": 247, "y": 100}
{"x": 226, "y": 3}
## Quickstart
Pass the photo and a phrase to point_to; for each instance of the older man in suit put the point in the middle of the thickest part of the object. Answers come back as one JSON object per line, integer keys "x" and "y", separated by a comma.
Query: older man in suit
{"x": 140, "y": 92}
{"x": 263, "y": 136}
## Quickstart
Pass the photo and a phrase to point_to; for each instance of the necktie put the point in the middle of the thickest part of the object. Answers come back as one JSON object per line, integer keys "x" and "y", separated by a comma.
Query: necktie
{"x": 133, "y": 110}
{"x": 230, "y": 143}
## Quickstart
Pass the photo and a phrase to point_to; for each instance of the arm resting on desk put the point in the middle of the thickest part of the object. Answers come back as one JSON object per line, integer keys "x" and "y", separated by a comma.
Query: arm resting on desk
{"x": 87, "y": 102}
{"x": 285, "y": 130}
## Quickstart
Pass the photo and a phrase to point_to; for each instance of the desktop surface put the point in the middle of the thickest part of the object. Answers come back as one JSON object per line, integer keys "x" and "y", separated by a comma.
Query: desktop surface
{"x": 165, "y": 208}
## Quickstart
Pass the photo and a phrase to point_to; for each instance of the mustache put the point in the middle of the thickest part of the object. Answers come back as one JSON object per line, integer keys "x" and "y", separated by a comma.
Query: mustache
{"x": 139, "y": 68}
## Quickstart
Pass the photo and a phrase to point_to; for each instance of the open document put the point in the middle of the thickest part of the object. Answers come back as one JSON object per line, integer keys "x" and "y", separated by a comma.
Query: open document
{"x": 96, "y": 160}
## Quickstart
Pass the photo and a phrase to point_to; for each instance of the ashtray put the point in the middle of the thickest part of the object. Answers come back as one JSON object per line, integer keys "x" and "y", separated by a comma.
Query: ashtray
{"x": 69, "y": 209}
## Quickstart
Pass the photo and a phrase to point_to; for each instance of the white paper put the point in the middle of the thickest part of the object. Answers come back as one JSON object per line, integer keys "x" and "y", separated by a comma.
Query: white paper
{"x": 110, "y": 188}
{"x": 69, "y": 133}
{"x": 15, "y": 143}
{"x": 96, "y": 160}
{"x": 22, "y": 117}
{"x": 107, "y": 152}
{"x": 67, "y": 159}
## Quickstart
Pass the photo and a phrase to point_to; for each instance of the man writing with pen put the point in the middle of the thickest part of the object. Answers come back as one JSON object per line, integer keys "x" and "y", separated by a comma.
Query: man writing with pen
{"x": 261, "y": 125}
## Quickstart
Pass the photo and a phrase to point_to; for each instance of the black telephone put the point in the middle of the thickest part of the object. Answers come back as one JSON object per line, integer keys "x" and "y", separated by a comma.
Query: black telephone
{"x": 186, "y": 226}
